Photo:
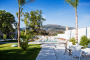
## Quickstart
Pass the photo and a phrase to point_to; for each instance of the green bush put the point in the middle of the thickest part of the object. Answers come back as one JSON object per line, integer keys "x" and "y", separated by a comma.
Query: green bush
{"x": 4, "y": 36}
{"x": 23, "y": 40}
{"x": 84, "y": 41}
{"x": 72, "y": 40}
{"x": 27, "y": 36}
{"x": 89, "y": 40}
{"x": 24, "y": 44}
{"x": 12, "y": 36}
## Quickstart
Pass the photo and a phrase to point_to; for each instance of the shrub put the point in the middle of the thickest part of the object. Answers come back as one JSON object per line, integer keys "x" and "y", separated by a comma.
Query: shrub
{"x": 89, "y": 40}
{"x": 24, "y": 43}
{"x": 12, "y": 36}
{"x": 4, "y": 36}
{"x": 72, "y": 40}
{"x": 23, "y": 40}
{"x": 27, "y": 36}
{"x": 84, "y": 41}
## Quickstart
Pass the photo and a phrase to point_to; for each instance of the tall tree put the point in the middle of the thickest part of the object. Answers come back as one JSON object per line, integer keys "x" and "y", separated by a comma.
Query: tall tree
{"x": 21, "y": 3}
{"x": 21, "y": 13}
{"x": 35, "y": 21}
{"x": 40, "y": 19}
{"x": 74, "y": 3}
{"x": 6, "y": 21}
{"x": 26, "y": 17}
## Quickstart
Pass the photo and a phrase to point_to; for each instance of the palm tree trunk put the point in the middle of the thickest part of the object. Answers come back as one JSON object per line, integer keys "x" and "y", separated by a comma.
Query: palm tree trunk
{"x": 19, "y": 27}
{"x": 76, "y": 37}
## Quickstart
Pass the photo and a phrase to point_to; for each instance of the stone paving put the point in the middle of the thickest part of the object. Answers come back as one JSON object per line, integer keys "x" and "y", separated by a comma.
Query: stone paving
{"x": 46, "y": 53}
{"x": 59, "y": 53}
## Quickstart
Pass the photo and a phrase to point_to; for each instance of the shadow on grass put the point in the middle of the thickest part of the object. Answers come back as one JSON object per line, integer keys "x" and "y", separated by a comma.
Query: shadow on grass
{"x": 10, "y": 41}
{"x": 2, "y": 43}
{"x": 19, "y": 54}
{"x": 34, "y": 44}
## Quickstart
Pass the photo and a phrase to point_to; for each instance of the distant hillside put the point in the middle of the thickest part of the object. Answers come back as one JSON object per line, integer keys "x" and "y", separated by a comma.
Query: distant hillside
{"x": 54, "y": 29}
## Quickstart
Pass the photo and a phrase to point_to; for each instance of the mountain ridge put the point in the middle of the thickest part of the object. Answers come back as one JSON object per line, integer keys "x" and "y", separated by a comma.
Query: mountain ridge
{"x": 54, "y": 28}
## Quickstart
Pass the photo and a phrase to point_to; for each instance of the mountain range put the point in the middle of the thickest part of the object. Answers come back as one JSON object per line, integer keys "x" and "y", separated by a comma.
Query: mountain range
{"x": 54, "y": 29}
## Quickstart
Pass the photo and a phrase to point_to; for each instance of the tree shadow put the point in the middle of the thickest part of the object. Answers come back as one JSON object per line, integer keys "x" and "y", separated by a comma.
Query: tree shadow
{"x": 34, "y": 44}
{"x": 19, "y": 54}
{"x": 2, "y": 43}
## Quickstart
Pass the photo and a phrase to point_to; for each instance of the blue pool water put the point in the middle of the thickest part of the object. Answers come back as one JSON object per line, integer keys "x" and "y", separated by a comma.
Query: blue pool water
{"x": 47, "y": 41}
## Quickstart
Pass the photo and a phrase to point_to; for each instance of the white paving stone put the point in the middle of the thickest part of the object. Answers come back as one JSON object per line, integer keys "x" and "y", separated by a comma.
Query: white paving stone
{"x": 46, "y": 53}
{"x": 54, "y": 51}
{"x": 59, "y": 53}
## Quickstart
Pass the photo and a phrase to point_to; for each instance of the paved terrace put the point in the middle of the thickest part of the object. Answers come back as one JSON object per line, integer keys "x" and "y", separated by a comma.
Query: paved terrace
{"x": 59, "y": 53}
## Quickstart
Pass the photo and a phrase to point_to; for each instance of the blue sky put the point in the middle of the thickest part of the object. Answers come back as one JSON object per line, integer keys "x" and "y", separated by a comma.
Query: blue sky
{"x": 54, "y": 11}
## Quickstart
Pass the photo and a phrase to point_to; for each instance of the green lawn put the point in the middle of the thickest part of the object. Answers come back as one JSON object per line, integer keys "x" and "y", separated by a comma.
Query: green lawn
{"x": 10, "y": 41}
{"x": 16, "y": 53}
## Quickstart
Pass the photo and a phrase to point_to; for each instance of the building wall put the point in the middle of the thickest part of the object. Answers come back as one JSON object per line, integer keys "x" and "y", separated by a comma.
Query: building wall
{"x": 71, "y": 33}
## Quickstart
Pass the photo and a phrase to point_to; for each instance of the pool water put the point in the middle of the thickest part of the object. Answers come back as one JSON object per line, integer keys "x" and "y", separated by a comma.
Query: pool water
{"x": 47, "y": 41}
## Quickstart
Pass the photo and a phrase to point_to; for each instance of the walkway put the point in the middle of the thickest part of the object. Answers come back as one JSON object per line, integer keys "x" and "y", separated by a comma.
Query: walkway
{"x": 47, "y": 52}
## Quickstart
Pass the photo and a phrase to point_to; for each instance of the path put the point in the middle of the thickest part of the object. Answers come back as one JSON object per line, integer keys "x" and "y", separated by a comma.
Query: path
{"x": 47, "y": 52}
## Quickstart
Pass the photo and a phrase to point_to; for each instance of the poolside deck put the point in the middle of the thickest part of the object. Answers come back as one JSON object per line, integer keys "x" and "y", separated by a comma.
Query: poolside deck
{"x": 55, "y": 51}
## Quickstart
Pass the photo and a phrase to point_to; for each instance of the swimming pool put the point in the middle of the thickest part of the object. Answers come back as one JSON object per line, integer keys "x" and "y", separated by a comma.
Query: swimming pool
{"x": 48, "y": 41}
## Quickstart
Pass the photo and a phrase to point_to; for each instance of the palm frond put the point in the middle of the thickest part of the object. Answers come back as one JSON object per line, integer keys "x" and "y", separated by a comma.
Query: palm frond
{"x": 74, "y": 3}
{"x": 23, "y": 2}
{"x": 17, "y": 14}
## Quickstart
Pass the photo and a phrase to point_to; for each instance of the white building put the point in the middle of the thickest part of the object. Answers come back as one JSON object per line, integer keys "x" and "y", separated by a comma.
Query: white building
{"x": 71, "y": 33}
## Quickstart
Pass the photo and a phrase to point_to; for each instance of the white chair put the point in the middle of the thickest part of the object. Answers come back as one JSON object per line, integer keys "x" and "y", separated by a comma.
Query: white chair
{"x": 45, "y": 38}
{"x": 86, "y": 51}
{"x": 76, "y": 51}
{"x": 52, "y": 39}
{"x": 49, "y": 38}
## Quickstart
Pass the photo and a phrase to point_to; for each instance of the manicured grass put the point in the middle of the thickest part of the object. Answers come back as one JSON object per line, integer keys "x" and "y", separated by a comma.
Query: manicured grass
{"x": 16, "y": 53}
{"x": 10, "y": 41}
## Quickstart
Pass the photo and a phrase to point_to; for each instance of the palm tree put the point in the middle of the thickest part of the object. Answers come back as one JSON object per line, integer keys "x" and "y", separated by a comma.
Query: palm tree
{"x": 26, "y": 16}
{"x": 21, "y": 3}
{"x": 74, "y": 3}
